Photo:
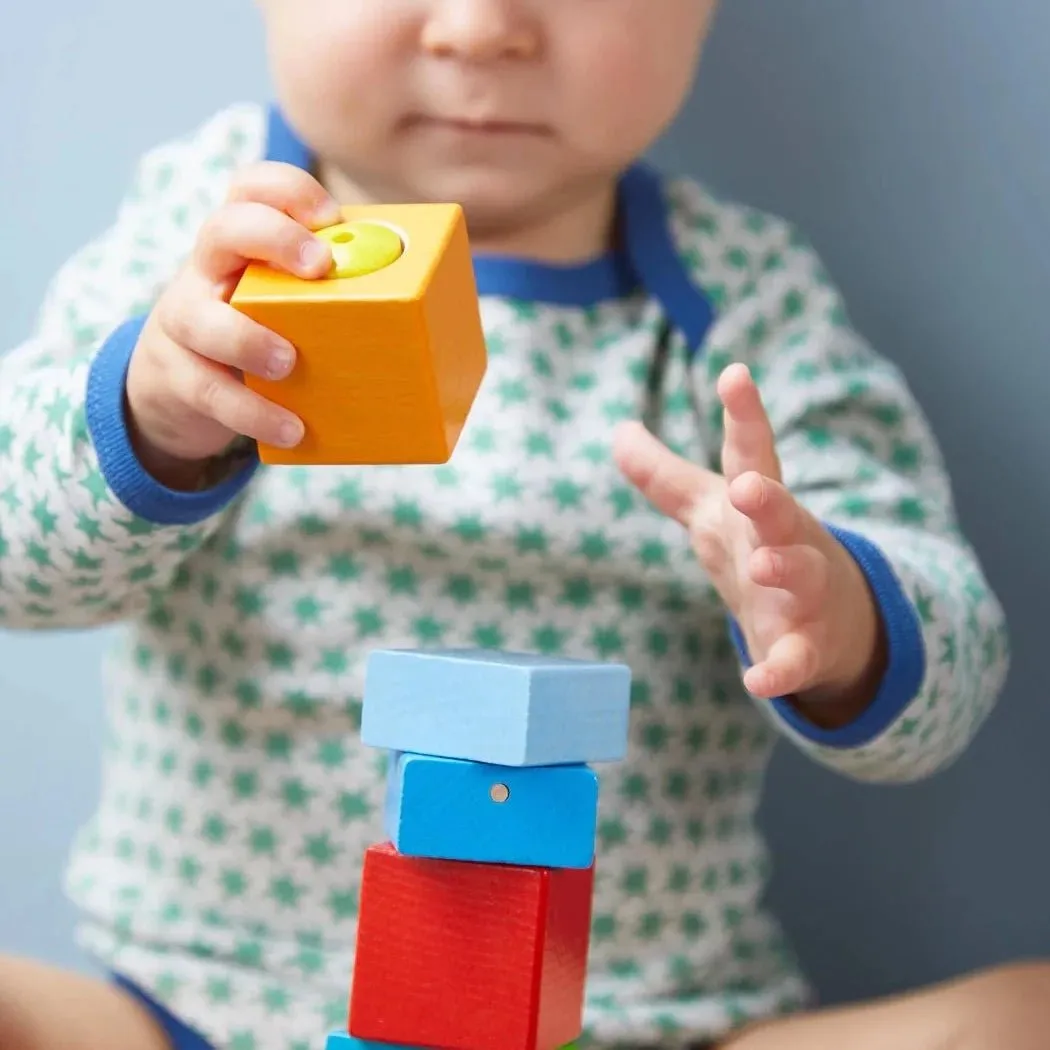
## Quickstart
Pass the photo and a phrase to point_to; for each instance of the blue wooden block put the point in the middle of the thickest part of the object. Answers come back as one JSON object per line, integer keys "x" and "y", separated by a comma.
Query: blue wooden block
{"x": 509, "y": 709}
{"x": 344, "y": 1041}
{"x": 445, "y": 807}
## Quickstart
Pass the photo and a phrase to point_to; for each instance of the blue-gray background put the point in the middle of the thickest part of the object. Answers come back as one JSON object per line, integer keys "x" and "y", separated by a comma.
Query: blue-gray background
{"x": 904, "y": 137}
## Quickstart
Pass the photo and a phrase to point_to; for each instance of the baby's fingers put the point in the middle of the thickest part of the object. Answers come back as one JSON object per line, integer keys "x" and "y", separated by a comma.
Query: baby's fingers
{"x": 210, "y": 390}
{"x": 775, "y": 516}
{"x": 672, "y": 484}
{"x": 749, "y": 442}
{"x": 287, "y": 188}
{"x": 800, "y": 570}
{"x": 246, "y": 230}
{"x": 215, "y": 330}
{"x": 790, "y": 666}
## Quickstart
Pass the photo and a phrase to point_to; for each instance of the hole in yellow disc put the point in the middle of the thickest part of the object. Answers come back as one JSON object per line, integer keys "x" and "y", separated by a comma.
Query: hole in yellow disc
{"x": 361, "y": 247}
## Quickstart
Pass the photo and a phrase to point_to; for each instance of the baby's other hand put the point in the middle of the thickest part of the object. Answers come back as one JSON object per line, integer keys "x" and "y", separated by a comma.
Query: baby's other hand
{"x": 805, "y": 610}
{"x": 185, "y": 396}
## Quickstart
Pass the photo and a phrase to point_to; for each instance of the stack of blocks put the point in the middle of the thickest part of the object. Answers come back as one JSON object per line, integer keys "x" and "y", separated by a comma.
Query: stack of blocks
{"x": 474, "y": 917}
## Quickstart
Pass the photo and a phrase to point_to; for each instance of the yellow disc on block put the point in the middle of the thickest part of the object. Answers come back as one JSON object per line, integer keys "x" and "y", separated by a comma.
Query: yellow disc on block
{"x": 361, "y": 247}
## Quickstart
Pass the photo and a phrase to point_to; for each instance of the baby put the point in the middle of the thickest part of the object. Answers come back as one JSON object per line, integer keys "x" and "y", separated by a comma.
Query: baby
{"x": 682, "y": 458}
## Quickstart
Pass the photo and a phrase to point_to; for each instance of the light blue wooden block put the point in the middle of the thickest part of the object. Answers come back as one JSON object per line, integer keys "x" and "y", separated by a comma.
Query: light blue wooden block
{"x": 343, "y": 1041}
{"x": 445, "y": 807}
{"x": 509, "y": 709}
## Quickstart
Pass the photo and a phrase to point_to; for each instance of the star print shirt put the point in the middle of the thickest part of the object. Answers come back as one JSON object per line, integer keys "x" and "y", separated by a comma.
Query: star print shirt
{"x": 220, "y": 870}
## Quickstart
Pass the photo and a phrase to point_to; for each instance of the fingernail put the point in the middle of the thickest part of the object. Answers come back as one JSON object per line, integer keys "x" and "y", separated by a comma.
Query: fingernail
{"x": 314, "y": 254}
{"x": 290, "y": 433}
{"x": 328, "y": 212}
{"x": 279, "y": 363}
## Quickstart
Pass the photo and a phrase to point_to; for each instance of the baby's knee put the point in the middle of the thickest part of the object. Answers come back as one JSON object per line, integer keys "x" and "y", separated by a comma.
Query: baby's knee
{"x": 42, "y": 1007}
{"x": 1020, "y": 984}
{"x": 17, "y": 1031}
{"x": 1006, "y": 1007}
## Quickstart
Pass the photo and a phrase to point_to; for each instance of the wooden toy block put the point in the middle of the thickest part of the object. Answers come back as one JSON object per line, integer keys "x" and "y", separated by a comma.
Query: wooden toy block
{"x": 345, "y": 1041}
{"x": 507, "y": 709}
{"x": 469, "y": 956}
{"x": 470, "y": 811}
{"x": 390, "y": 345}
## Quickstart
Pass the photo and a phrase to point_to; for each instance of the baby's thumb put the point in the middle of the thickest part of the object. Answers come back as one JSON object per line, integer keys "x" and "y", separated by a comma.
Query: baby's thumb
{"x": 672, "y": 484}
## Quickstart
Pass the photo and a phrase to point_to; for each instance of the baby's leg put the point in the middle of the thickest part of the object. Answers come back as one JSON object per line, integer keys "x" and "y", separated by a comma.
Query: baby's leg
{"x": 42, "y": 1008}
{"x": 1007, "y": 1008}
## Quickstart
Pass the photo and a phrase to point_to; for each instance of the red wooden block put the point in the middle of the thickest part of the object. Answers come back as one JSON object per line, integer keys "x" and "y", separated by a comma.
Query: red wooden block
{"x": 470, "y": 956}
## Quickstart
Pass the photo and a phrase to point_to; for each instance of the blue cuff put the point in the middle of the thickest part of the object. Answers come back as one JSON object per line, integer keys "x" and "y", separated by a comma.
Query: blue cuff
{"x": 107, "y": 423}
{"x": 906, "y": 663}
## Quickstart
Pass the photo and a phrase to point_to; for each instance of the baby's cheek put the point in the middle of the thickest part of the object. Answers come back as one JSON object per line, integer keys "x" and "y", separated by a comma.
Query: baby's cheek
{"x": 626, "y": 98}
{"x": 328, "y": 57}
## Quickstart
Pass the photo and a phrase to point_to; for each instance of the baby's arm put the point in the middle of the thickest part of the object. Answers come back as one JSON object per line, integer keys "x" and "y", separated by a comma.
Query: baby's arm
{"x": 857, "y": 452}
{"x": 86, "y": 535}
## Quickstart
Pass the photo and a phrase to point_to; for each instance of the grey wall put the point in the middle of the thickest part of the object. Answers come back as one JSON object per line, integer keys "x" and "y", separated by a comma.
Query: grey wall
{"x": 903, "y": 136}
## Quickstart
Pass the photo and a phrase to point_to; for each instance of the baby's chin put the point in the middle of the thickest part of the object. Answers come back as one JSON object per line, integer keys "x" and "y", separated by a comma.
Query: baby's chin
{"x": 493, "y": 205}
{"x": 496, "y": 200}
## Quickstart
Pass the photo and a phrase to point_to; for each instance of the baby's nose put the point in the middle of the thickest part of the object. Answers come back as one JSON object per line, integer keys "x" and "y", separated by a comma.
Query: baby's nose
{"x": 480, "y": 30}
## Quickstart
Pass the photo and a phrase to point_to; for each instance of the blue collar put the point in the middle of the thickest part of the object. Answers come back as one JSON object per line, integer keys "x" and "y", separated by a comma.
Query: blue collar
{"x": 649, "y": 258}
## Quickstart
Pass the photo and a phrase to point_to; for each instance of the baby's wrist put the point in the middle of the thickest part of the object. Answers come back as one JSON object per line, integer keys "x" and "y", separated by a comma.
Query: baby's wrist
{"x": 177, "y": 474}
{"x": 185, "y": 475}
{"x": 838, "y": 701}
{"x": 850, "y": 684}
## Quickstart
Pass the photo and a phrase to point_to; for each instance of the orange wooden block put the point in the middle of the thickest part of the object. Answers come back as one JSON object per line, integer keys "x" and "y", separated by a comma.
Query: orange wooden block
{"x": 469, "y": 956}
{"x": 389, "y": 361}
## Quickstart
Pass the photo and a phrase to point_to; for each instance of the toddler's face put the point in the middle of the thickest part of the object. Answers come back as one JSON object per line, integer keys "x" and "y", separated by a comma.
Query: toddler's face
{"x": 508, "y": 106}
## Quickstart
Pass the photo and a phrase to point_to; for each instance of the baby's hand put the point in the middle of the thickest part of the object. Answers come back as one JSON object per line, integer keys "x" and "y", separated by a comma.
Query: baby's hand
{"x": 802, "y": 603}
{"x": 185, "y": 396}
